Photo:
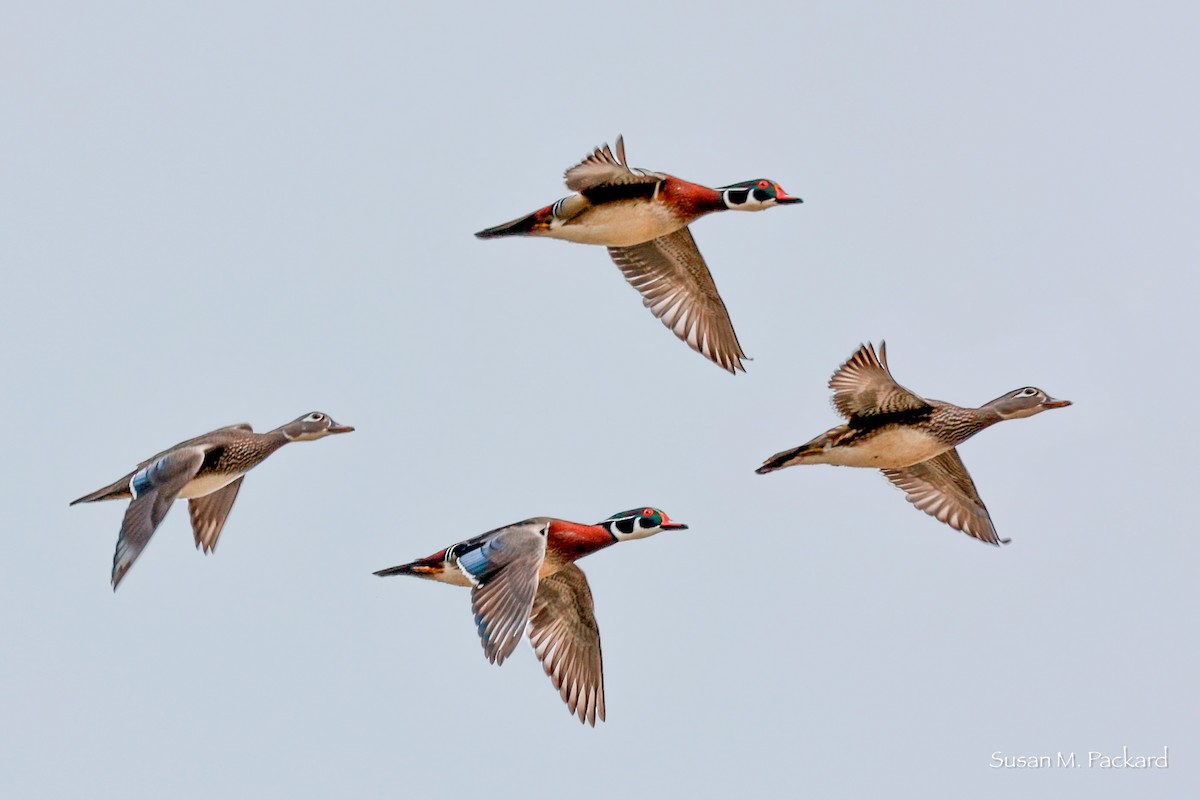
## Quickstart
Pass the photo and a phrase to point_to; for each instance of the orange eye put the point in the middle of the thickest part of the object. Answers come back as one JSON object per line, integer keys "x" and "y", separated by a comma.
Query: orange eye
{"x": 763, "y": 184}
{"x": 649, "y": 512}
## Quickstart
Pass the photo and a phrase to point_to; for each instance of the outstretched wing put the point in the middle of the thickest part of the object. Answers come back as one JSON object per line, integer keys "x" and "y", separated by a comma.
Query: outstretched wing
{"x": 942, "y": 488}
{"x": 504, "y": 570}
{"x": 209, "y": 513}
{"x": 154, "y": 488}
{"x": 601, "y": 168}
{"x": 563, "y": 631}
{"x": 678, "y": 289}
{"x": 864, "y": 386}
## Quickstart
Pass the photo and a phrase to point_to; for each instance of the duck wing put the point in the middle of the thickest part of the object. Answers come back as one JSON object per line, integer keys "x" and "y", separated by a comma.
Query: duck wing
{"x": 863, "y": 386}
{"x": 564, "y": 634}
{"x": 209, "y": 513}
{"x": 942, "y": 488}
{"x": 602, "y": 168}
{"x": 503, "y": 566}
{"x": 677, "y": 287}
{"x": 154, "y": 488}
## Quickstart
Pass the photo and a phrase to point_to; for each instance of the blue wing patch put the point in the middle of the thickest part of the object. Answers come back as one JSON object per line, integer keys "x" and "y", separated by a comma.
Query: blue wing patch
{"x": 148, "y": 477}
{"x": 475, "y": 563}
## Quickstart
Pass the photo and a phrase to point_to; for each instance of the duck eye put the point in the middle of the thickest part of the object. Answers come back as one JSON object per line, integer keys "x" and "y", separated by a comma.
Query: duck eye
{"x": 763, "y": 184}
{"x": 317, "y": 417}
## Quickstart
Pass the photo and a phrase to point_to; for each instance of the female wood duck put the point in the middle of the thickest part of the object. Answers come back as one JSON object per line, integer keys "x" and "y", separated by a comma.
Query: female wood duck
{"x": 524, "y": 576}
{"x": 208, "y": 471}
{"x": 642, "y": 217}
{"x": 911, "y": 439}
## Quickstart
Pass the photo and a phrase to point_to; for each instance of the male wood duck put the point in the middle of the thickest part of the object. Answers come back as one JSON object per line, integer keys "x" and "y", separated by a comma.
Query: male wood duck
{"x": 208, "y": 471}
{"x": 911, "y": 439}
{"x": 642, "y": 217}
{"x": 523, "y": 576}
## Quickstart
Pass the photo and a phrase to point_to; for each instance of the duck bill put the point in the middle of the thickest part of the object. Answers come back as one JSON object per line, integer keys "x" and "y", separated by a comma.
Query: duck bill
{"x": 783, "y": 198}
{"x": 338, "y": 428}
{"x": 1052, "y": 403}
{"x": 667, "y": 525}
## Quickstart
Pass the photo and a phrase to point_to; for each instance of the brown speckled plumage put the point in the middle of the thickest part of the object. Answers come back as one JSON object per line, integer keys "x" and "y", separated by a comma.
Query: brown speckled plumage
{"x": 206, "y": 470}
{"x": 910, "y": 438}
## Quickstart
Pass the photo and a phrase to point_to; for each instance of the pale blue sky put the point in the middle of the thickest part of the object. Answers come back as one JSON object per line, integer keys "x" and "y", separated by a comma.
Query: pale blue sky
{"x": 239, "y": 212}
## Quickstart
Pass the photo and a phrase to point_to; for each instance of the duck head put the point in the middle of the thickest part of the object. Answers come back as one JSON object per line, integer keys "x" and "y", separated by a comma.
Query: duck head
{"x": 638, "y": 523}
{"x": 314, "y": 425}
{"x": 755, "y": 195}
{"x": 1024, "y": 403}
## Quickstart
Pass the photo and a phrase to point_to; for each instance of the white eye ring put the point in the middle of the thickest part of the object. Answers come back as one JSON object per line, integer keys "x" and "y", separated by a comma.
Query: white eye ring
{"x": 1029, "y": 392}
{"x": 316, "y": 417}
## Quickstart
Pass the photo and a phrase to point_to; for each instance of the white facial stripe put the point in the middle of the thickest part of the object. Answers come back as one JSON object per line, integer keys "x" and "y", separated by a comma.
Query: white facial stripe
{"x": 638, "y": 531}
{"x": 752, "y": 203}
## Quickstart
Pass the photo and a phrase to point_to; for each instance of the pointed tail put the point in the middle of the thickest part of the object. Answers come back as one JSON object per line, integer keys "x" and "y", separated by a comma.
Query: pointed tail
{"x": 788, "y": 457}
{"x": 531, "y": 223}
{"x": 430, "y": 567}
{"x": 117, "y": 490}
{"x": 403, "y": 569}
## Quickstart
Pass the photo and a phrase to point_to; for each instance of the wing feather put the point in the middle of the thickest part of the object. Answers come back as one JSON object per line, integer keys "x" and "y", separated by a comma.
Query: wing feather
{"x": 209, "y": 513}
{"x": 564, "y": 634}
{"x": 154, "y": 488}
{"x": 677, "y": 287}
{"x": 504, "y": 568}
{"x": 863, "y": 386}
{"x": 942, "y": 488}
{"x": 602, "y": 168}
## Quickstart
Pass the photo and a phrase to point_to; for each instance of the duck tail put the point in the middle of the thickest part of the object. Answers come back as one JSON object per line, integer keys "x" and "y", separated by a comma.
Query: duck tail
{"x": 117, "y": 490}
{"x": 430, "y": 567}
{"x": 524, "y": 226}
{"x": 789, "y": 458}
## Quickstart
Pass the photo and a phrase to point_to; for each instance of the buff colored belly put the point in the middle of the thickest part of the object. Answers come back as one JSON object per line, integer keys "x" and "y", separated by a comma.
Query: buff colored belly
{"x": 452, "y": 575}
{"x": 618, "y": 224}
{"x": 894, "y": 448}
{"x": 198, "y": 487}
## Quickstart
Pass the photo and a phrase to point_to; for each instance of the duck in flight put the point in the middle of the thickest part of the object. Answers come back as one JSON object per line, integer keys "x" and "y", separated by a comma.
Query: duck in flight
{"x": 911, "y": 439}
{"x": 642, "y": 217}
{"x": 208, "y": 472}
{"x": 523, "y": 578}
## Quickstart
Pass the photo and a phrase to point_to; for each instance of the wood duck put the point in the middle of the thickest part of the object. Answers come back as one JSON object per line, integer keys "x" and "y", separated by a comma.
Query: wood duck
{"x": 208, "y": 472}
{"x": 642, "y": 217}
{"x": 523, "y": 576}
{"x": 911, "y": 439}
